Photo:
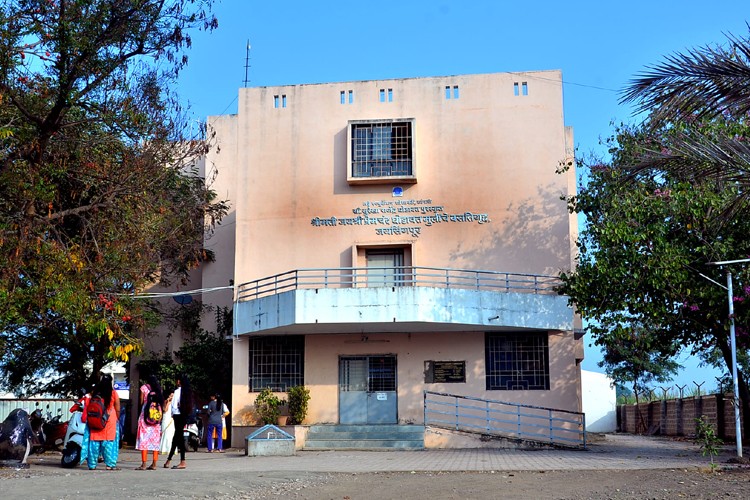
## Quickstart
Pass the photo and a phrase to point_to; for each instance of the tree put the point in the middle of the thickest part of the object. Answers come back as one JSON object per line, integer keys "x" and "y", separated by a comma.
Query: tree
{"x": 100, "y": 194}
{"x": 638, "y": 355}
{"x": 205, "y": 357}
{"x": 703, "y": 83}
{"x": 644, "y": 252}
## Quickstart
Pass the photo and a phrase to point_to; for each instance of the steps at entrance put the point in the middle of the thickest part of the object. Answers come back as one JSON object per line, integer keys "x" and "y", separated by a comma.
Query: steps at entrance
{"x": 365, "y": 437}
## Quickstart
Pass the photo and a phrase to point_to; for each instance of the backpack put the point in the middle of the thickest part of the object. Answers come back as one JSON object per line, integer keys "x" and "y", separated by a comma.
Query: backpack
{"x": 96, "y": 413}
{"x": 152, "y": 410}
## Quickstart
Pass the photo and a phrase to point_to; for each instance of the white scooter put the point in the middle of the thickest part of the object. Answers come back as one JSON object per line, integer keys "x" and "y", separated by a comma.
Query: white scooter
{"x": 71, "y": 455}
{"x": 193, "y": 431}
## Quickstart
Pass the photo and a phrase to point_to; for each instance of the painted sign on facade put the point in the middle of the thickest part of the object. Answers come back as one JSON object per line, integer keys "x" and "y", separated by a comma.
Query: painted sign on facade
{"x": 401, "y": 216}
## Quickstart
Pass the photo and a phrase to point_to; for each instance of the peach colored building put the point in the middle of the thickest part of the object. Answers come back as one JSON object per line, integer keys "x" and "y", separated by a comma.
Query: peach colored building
{"x": 398, "y": 236}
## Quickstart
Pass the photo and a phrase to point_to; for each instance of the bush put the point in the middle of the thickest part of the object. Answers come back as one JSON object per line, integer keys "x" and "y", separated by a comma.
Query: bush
{"x": 298, "y": 397}
{"x": 268, "y": 406}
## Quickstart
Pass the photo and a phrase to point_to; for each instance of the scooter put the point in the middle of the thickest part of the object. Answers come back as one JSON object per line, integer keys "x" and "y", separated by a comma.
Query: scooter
{"x": 71, "y": 455}
{"x": 193, "y": 431}
{"x": 49, "y": 433}
{"x": 54, "y": 430}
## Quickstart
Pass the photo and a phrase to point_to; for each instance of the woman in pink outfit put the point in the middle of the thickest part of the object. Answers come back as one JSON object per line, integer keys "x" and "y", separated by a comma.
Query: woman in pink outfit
{"x": 149, "y": 434}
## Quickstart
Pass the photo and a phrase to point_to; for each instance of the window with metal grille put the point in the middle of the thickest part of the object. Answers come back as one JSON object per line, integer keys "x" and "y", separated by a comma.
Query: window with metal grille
{"x": 382, "y": 374}
{"x": 517, "y": 361}
{"x": 277, "y": 362}
{"x": 381, "y": 149}
{"x": 367, "y": 374}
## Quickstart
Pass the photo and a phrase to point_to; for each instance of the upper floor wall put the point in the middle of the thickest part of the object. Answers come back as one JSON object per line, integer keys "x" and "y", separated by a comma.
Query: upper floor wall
{"x": 459, "y": 172}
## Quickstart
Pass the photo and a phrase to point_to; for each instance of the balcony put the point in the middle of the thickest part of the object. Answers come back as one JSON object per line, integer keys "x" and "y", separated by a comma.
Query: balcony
{"x": 399, "y": 300}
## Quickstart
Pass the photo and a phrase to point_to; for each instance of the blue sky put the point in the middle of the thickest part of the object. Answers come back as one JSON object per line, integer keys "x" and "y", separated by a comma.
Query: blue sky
{"x": 598, "y": 45}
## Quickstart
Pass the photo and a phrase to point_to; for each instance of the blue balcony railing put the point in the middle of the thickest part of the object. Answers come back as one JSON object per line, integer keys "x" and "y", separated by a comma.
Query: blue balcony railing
{"x": 436, "y": 277}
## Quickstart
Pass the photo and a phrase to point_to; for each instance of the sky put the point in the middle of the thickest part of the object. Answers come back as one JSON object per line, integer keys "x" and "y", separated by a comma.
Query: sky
{"x": 598, "y": 45}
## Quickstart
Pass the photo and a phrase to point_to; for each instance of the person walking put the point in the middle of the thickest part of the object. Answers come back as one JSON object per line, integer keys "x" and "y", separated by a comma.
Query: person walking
{"x": 217, "y": 410}
{"x": 182, "y": 404}
{"x": 149, "y": 422}
{"x": 104, "y": 441}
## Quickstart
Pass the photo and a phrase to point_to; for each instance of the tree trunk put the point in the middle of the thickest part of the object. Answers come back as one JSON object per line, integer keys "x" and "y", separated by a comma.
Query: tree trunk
{"x": 640, "y": 423}
{"x": 726, "y": 353}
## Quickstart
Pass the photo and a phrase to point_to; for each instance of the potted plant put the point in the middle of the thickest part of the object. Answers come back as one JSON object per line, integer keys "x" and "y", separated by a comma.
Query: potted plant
{"x": 268, "y": 406}
{"x": 298, "y": 397}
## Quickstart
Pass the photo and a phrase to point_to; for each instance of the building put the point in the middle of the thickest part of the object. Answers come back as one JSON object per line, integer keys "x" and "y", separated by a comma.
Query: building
{"x": 398, "y": 236}
{"x": 599, "y": 401}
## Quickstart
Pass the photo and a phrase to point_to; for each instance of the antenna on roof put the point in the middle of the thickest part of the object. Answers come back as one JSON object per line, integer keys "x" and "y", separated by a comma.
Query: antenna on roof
{"x": 247, "y": 62}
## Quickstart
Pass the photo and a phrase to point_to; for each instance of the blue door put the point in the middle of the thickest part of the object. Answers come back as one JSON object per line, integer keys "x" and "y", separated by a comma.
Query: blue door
{"x": 367, "y": 390}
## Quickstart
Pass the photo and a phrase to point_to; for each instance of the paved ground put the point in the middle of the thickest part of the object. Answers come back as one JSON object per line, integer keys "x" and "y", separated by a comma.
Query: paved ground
{"x": 610, "y": 452}
{"x": 234, "y": 475}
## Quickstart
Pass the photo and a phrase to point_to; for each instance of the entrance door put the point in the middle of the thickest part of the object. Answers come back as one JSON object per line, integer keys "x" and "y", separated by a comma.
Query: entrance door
{"x": 385, "y": 267}
{"x": 367, "y": 390}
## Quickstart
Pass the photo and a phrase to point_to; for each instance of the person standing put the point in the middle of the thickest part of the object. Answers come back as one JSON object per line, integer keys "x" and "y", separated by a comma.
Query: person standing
{"x": 217, "y": 410}
{"x": 149, "y": 426}
{"x": 182, "y": 404}
{"x": 104, "y": 441}
{"x": 167, "y": 426}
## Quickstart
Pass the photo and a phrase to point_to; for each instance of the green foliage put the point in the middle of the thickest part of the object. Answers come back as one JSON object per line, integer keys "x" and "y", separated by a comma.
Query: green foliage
{"x": 99, "y": 191}
{"x": 707, "y": 439}
{"x": 643, "y": 257}
{"x": 623, "y": 394}
{"x": 635, "y": 354}
{"x": 298, "y": 397}
{"x": 268, "y": 406}
{"x": 688, "y": 90}
{"x": 205, "y": 357}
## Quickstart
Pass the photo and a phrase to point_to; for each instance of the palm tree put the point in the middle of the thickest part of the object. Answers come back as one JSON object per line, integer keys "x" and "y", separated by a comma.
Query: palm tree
{"x": 707, "y": 83}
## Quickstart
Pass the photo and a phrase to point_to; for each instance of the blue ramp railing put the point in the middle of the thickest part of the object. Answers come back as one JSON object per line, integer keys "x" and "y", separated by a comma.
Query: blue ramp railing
{"x": 513, "y": 420}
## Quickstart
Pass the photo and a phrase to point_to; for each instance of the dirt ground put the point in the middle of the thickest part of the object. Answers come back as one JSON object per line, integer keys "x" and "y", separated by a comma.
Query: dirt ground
{"x": 50, "y": 482}
{"x": 640, "y": 484}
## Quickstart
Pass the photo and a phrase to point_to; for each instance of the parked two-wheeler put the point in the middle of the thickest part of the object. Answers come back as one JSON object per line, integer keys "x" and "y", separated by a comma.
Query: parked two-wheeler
{"x": 193, "y": 431}
{"x": 49, "y": 432}
{"x": 71, "y": 455}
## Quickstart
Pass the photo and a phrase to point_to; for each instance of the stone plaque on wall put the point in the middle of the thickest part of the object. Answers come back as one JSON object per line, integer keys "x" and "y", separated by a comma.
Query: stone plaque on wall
{"x": 444, "y": 372}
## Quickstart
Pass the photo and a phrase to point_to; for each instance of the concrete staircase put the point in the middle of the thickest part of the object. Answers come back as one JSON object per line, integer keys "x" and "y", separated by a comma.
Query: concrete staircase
{"x": 365, "y": 437}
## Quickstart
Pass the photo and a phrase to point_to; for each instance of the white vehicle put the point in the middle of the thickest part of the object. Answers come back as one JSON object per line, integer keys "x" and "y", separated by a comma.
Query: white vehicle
{"x": 71, "y": 455}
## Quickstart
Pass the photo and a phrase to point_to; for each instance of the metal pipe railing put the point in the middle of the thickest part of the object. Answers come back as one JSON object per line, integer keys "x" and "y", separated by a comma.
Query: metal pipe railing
{"x": 349, "y": 277}
{"x": 548, "y": 425}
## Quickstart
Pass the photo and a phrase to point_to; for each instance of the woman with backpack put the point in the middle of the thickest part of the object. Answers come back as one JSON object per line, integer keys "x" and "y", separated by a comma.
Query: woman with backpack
{"x": 149, "y": 422}
{"x": 101, "y": 418}
{"x": 182, "y": 404}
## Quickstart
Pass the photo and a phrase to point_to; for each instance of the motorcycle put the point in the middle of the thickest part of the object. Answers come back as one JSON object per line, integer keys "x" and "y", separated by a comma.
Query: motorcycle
{"x": 49, "y": 433}
{"x": 71, "y": 455}
{"x": 193, "y": 431}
